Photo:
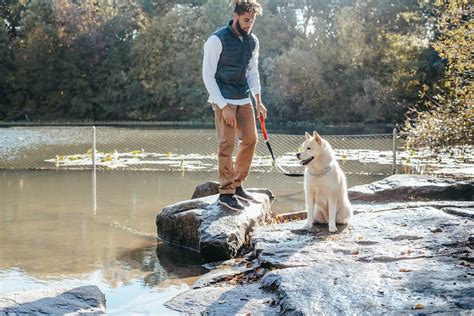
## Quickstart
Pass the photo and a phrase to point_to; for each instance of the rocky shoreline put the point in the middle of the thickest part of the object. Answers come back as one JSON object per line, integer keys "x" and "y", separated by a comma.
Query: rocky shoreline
{"x": 408, "y": 249}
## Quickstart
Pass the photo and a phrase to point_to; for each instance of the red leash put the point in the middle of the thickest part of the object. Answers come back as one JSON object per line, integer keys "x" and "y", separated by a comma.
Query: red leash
{"x": 265, "y": 137}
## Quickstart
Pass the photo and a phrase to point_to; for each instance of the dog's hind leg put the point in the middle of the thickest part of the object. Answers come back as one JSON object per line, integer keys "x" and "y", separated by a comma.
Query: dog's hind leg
{"x": 332, "y": 208}
{"x": 344, "y": 211}
{"x": 343, "y": 215}
{"x": 320, "y": 216}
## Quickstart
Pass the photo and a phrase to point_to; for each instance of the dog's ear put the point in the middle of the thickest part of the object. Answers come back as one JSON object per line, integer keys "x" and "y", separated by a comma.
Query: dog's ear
{"x": 307, "y": 136}
{"x": 317, "y": 138}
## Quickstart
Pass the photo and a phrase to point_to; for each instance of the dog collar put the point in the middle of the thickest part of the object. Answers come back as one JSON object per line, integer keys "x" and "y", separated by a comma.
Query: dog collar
{"x": 322, "y": 172}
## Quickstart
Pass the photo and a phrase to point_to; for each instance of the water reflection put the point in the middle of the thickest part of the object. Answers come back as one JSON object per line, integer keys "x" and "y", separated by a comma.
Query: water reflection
{"x": 162, "y": 263}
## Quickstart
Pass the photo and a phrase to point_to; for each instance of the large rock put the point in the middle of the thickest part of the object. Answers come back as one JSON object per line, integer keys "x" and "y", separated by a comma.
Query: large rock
{"x": 217, "y": 232}
{"x": 413, "y": 187}
{"x": 206, "y": 189}
{"x": 78, "y": 301}
{"x": 406, "y": 256}
{"x": 385, "y": 261}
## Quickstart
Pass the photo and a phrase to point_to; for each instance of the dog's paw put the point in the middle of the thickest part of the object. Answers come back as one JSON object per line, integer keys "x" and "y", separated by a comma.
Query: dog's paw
{"x": 308, "y": 225}
{"x": 333, "y": 229}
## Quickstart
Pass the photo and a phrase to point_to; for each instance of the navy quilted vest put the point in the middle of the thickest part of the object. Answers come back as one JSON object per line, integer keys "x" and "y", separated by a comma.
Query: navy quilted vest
{"x": 232, "y": 66}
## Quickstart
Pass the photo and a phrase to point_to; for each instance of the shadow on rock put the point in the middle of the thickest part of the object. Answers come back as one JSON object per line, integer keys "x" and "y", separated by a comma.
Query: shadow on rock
{"x": 321, "y": 231}
{"x": 80, "y": 300}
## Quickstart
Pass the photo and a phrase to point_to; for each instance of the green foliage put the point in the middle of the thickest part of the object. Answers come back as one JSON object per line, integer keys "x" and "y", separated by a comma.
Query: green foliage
{"x": 321, "y": 61}
{"x": 10, "y": 11}
{"x": 167, "y": 59}
{"x": 35, "y": 85}
{"x": 445, "y": 116}
{"x": 354, "y": 67}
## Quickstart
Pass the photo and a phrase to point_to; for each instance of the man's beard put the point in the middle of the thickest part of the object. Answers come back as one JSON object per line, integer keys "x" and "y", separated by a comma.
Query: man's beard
{"x": 241, "y": 31}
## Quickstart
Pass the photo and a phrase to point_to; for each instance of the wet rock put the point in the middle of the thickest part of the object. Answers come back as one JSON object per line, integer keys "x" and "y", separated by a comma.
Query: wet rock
{"x": 382, "y": 262}
{"x": 217, "y": 232}
{"x": 78, "y": 301}
{"x": 206, "y": 189}
{"x": 413, "y": 187}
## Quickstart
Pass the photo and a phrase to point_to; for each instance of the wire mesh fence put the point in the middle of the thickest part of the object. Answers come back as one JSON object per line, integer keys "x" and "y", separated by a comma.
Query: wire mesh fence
{"x": 71, "y": 148}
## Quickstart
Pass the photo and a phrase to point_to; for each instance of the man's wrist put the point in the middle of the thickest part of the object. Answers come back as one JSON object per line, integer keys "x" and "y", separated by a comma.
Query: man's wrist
{"x": 258, "y": 102}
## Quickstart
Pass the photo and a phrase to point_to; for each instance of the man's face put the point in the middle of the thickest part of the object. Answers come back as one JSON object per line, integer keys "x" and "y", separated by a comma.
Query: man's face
{"x": 244, "y": 22}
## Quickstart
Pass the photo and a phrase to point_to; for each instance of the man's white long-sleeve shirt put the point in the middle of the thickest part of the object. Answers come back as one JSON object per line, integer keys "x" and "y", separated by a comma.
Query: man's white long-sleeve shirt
{"x": 212, "y": 52}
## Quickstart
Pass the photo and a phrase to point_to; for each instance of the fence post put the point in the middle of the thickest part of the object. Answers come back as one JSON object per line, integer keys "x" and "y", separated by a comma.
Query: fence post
{"x": 93, "y": 148}
{"x": 394, "y": 149}
{"x": 94, "y": 181}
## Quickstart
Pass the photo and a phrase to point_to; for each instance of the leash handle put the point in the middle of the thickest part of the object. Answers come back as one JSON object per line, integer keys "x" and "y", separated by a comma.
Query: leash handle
{"x": 262, "y": 124}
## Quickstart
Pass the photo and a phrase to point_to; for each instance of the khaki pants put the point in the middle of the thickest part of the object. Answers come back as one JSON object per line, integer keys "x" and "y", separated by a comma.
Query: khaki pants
{"x": 231, "y": 176}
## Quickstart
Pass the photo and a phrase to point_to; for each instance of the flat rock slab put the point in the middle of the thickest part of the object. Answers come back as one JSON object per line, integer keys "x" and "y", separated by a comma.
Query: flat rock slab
{"x": 394, "y": 260}
{"x": 78, "y": 301}
{"x": 217, "y": 232}
{"x": 226, "y": 299}
{"x": 230, "y": 288}
{"x": 413, "y": 187}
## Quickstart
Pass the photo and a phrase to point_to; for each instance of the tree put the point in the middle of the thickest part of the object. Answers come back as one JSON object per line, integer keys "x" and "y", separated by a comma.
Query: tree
{"x": 167, "y": 59}
{"x": 6, "y": 70}
{"x": 365, "y": 59}
{"x": 296, "y": 85}
{"x": 445, "y": 116}
{"x": 118, "y": 95}
{"x": 35, "y": 88}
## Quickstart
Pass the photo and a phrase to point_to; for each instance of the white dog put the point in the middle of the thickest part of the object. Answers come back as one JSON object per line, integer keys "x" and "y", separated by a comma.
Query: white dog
{"x": 324, "y": 183}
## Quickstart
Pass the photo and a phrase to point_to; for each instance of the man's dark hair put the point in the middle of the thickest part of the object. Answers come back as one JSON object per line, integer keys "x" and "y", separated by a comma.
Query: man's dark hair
{"x": 244, "y": 6}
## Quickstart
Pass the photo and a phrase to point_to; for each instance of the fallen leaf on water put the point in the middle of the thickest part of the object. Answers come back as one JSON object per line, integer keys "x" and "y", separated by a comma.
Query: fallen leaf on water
{"x": 418, "y": 306}
{"x": 405, "y": 270}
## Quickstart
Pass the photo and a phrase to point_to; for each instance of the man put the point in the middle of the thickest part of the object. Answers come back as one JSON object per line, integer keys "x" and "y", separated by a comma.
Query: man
{"x": 230, "y": 74}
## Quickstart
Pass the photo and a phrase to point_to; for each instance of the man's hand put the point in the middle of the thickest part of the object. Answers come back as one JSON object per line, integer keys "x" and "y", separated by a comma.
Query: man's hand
{"x": 228, "y": 113}
{"x": 261, "y": 109}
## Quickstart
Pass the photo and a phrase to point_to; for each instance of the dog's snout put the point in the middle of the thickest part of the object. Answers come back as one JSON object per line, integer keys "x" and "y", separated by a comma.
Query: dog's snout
{"x": 298, "y": 155}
